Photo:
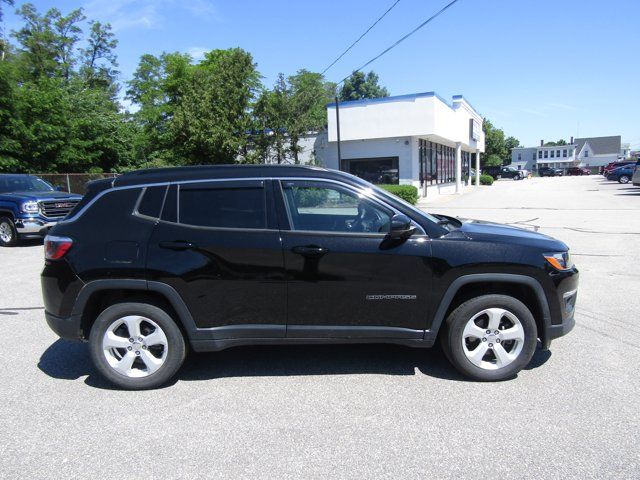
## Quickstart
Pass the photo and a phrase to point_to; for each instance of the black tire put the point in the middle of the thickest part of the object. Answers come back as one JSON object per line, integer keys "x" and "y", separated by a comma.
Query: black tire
{"x": 517, "y": 177}
{"x": 176, "y": 347}
{"x": 624, "y": 179}
{"x": 7, "y": 224}
{"x": 451, "y": 337}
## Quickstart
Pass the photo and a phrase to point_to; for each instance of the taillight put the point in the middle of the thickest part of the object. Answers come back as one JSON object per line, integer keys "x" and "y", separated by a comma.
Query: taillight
{"x": 56, "y": 247}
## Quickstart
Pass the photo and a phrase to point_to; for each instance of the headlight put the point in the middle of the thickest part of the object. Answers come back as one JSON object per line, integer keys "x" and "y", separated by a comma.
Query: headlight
{"x": 30, "y": 207}
{"x": 560, "y": 261}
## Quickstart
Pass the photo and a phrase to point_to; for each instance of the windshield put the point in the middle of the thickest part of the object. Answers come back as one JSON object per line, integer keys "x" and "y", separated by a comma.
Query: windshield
{"x": 383, "y": 193}
{"x": 23, "y": 183}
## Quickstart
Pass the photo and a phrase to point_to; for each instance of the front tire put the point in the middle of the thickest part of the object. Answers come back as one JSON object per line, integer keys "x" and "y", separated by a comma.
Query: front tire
{"x": 8, "y": 233}
{"x": 624, "y": 179}
{"x": 490, "y": 338}
{"x": 136, "y": 346}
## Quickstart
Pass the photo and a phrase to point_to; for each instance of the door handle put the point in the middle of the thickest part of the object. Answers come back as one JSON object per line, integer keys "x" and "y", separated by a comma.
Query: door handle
{"x": 178, "y": 245}
{"x": 310, "y": 250}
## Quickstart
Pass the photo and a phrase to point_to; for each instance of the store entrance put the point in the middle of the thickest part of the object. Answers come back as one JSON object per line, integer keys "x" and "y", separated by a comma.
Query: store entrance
{"x": 381, "y": 170}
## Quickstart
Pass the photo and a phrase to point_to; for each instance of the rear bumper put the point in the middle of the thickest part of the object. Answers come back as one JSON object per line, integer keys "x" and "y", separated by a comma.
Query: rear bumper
{"x": 65, "y": 327}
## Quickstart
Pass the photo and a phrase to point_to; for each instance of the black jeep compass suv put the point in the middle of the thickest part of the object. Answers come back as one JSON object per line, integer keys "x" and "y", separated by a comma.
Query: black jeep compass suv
{"x": 158, "y": 261}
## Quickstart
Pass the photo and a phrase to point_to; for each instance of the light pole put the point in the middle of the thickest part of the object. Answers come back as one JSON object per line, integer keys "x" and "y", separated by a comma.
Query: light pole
{"x": 338, "y": 131}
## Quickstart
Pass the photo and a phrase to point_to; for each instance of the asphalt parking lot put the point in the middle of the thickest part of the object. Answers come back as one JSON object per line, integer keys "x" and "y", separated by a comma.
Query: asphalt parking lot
{"x": 351, "y": 411}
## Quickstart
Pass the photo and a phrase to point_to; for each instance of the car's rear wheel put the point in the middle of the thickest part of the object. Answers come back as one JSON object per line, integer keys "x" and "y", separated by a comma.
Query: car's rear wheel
{"x": 490, "y": 338}
{"x": 136, "y": 346}
{"x": 624, "y": 179}
{"x": 8, "y": 233}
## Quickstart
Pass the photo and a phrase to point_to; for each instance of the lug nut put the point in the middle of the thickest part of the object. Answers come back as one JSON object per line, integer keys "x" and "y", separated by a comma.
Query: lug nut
{"x": 497, "y": 340}
{"x": 144, "y": 347}
{"x": 139, "y": 339}
{"x": 129, "y": 348}
{"x": 484, "y": 339}
{"x": 137, "y": 352}
{"x": 497, "y": 332}
{"x": 488, "y": 332}
{"x": 490, "y": 345}
{"x": 131, "y": 339}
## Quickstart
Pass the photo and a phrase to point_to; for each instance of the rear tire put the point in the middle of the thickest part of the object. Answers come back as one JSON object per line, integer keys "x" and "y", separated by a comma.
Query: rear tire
{"x": 8, "y": 233}
{"x": 472, "y": 345}
{"x": 136, "y": 346}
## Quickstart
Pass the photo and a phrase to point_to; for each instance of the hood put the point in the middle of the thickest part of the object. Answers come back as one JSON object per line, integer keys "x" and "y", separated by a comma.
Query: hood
{"x": 495, "y": 232}
{"x": 53, "y": 195}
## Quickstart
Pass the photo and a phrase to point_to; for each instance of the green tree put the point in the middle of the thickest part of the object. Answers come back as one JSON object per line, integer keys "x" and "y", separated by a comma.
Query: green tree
{"x": 212, "y": 120}
{"x": 99, "y": 60}
{"x": 3, "y": 44}
{"x": 359, "y": 86}
{"x": 556, "y": 144}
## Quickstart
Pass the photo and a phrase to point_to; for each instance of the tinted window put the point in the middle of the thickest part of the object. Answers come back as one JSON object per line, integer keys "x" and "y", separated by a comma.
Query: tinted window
{"x": 23, "y": 183}
{"x": 318, "y": 206}
{"x": 222, "y": 206}
{"x": 170, "y": 209}
{"x": 151, "y": 201}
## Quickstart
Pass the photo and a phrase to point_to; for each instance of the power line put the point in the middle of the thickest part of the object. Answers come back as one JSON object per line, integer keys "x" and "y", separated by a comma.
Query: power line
{"x": 360, "y": 37}
{"x": 400, "y": 41}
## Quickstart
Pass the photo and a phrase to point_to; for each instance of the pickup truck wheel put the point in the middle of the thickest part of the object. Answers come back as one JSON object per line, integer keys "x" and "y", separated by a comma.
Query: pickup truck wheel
{"x": 490, "y": 338}
{"x": 136, "y": 346}
{"x": 8, "y": 234}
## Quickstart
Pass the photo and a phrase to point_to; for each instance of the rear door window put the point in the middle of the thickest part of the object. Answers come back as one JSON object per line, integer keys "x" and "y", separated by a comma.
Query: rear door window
{"x": 237, "y": 205}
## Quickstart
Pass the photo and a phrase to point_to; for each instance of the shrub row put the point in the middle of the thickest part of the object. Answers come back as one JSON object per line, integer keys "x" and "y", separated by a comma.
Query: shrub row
{"x": 486, "y": 179}
{"x": 408, "y": 193}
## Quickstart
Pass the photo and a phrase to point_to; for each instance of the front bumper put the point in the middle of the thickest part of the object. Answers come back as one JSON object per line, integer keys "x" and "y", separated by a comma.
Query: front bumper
{"x": 33, "y": 226}
{"x": 65, "y": 327}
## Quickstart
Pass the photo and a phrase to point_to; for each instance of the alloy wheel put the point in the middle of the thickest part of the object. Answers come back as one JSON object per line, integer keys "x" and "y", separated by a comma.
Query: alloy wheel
{"x": 6, "y": 233}
{"x": 493, "y": 338}
{"x": 135, "y": 346}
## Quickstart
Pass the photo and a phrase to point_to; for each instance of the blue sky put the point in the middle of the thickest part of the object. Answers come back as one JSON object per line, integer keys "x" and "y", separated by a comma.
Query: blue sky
{"x": 536, "y": 68}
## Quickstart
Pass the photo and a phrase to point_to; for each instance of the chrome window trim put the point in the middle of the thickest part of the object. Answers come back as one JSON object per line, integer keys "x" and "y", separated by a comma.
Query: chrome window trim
{"x": 372, "y": 194}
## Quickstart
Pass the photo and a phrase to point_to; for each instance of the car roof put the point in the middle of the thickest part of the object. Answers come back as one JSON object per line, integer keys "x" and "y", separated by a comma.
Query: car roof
{"x": 203, "y": 172}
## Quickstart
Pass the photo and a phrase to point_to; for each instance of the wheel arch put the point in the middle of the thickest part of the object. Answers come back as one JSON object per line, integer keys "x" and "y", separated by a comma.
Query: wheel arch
{"x": 97, "y": 295}
{"x": 4, "y": 212}
{"x": 524, "y": 288}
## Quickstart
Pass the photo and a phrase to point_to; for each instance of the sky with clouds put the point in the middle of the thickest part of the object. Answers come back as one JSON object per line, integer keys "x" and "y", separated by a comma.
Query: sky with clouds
{"x": 539, "y": 69}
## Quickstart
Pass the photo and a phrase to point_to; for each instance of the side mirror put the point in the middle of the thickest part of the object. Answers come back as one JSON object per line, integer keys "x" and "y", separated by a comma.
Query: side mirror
{"x": 401, "y": 227}
{"x": 60, "y": 189}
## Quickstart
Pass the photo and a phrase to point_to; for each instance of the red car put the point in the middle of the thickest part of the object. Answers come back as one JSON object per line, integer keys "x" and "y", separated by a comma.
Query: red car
{"x": 613, "y": 165}
{"x": 578, "y": 171}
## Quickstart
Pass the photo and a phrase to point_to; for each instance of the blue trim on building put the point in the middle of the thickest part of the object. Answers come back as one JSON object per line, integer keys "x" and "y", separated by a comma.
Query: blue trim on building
{"x": 461, "y": 97}
{"x": 410, "y": 96}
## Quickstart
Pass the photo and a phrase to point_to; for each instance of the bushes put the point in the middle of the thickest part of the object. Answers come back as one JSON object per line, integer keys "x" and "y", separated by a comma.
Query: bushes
{"x": 408, "y": 193}
{"x": 486, "y": 179}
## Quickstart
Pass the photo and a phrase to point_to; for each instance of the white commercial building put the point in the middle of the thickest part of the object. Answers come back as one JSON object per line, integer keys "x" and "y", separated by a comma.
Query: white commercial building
{"x": 418, "y": 139}
{"x": 592, "y": 152}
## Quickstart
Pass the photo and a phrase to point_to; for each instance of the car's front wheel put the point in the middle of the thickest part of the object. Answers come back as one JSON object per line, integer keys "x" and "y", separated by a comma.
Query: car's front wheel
{"x": 136, "y": 346}
{"x": 8, "y": 234}
{"x": 490, "y": 338}
{"x": 624, "y": 179}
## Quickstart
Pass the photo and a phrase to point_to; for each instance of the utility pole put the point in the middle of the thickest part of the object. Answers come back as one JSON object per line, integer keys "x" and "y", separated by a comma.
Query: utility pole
{"x": 338, "y": 131}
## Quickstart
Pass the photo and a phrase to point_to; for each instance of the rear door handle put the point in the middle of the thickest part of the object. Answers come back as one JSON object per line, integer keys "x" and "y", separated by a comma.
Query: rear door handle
{"x": 178, "y": 245}
{"x": 310, "y": 250}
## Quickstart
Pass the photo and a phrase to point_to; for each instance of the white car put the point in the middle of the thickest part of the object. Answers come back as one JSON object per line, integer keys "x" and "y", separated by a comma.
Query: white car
{"x": 636, "y": 175}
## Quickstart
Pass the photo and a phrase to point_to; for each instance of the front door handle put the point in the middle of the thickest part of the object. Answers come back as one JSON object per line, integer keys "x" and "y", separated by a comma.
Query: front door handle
{"x": 310, "y": 250}
{"x": 178, "y": 245}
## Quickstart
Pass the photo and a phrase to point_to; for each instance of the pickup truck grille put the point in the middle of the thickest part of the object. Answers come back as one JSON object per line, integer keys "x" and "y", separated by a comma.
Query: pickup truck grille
{"x": 57, "y": 208}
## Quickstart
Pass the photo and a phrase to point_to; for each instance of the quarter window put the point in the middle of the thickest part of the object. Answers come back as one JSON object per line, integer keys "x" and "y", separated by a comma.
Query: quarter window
{"x": 323, "y": 207}
{"x": 222, "y": 205}
{"x": 151, "y": 201}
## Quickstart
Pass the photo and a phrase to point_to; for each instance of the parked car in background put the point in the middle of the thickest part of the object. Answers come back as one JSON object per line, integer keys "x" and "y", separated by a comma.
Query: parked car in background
{"x": 613, "y": 165}
{"x": 550, "y": 172}
{"x": 506, "y": 172}
{"x": 636, "y": 175}
{"x": 159, "y": 262}
{"x": 622, "y": 174}
{"x": 29, "y": 206}
{"x": 578, "y": 171}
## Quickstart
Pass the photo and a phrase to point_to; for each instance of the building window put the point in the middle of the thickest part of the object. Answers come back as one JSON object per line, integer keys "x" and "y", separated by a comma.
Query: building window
{"x": 519, "y": 157}
{"x": 586, "y": 153}
{"x": 564, "y": 153}
{"x": 374, "y": 170}
{"x": 558, "y": 153}
{"x": 552, "y": 153}
{"x": 546, "y": 154}
{"x": 539, "y": 153}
